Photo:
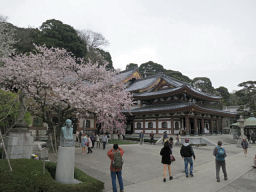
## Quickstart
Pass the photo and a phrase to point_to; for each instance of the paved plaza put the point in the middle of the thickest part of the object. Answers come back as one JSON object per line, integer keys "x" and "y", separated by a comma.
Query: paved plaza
{"x": 142, "y": 169}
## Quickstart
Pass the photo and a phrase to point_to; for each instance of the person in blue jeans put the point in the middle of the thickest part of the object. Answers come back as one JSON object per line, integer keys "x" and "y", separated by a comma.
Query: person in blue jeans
{"x": 116, "y": 172}
{"x": 187, "y": 153}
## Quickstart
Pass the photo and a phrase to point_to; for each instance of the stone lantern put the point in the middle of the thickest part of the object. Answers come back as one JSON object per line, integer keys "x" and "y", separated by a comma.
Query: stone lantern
{"x": 241, "y": 125}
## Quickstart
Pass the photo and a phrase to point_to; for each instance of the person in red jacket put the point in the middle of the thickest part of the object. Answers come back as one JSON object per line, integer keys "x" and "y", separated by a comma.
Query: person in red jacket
{"x": 116, "y": 172}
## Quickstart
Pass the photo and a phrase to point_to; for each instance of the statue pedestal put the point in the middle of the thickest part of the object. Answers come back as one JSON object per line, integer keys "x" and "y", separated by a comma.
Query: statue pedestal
{"x": 65, "y": 165}
{"x": 19, "y": 144}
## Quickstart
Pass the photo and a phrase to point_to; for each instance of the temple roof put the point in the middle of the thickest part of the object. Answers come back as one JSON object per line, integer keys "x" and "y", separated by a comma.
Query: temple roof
{"x": 172, "y": 91}
{"x": 176, "y": 107}
{"x": 142, "y": 83}
{"x": 126, "y": 75}
{"x": 144, "y": 88}
{"x": 251, "y": 121}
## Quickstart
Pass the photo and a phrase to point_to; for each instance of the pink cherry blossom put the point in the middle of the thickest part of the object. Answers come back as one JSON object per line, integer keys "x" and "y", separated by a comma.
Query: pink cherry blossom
{"x": 52, "y": 77}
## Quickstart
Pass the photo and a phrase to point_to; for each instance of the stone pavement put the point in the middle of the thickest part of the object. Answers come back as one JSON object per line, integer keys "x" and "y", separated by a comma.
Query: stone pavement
{"x": 204, "y": 179}
{"x": 142, "y": 169}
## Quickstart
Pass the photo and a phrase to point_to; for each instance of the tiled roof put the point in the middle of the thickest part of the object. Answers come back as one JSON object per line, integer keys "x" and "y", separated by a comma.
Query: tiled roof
{"x": 163, "y": 107}
{"x": 142, "y": 83}
{"x": 171, "y": 90}
{"x": 203, "y": 93}
{"x": 178, "y": 106}
{"x": 154, "y": 93}
{"x": 125, "y": 74}
{"x": 173, "y": 81}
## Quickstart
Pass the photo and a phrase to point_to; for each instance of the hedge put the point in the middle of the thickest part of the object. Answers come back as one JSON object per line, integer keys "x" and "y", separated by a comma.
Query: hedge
{"x": 27, "y": 176}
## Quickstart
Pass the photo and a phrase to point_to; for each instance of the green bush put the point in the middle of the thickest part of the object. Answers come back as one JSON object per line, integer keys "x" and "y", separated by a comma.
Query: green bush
{"x": 27, "y": 176}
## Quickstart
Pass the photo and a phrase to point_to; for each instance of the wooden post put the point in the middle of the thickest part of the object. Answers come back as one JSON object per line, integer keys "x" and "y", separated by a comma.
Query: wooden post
{"x": 156, "y": 125}
{"x": 217, "y": 125}
{"x": 144, "y": 124}
{"x": 172, "y": 126}
{"x": 196, "y": 126}
{"x": 211, "y": 125}
{"x": 202, "y": 125}
{"x": 221, "y": 125}
{"x": 187, "y": 125}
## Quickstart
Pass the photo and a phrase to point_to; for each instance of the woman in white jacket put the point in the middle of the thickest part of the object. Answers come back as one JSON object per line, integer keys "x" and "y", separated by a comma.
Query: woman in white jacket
{"x": 89, "y": 145}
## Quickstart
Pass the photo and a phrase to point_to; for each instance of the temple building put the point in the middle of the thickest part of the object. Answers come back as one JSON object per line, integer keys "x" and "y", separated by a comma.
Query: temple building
{"x": 163, "y": 103}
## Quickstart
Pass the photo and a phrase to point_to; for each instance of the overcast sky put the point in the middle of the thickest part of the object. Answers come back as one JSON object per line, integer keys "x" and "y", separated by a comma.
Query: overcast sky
{"x": 200, "y": 38}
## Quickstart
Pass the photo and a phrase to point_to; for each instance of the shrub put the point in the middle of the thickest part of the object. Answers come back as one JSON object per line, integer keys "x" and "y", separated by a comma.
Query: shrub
{"x": 27, "y": 176}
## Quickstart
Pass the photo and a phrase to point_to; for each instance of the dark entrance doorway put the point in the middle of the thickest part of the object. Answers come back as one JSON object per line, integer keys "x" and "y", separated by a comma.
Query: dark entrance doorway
{"x": 199, "y": 124}
{"x": 192, "y": 126}
{"x": 129, "y": 125}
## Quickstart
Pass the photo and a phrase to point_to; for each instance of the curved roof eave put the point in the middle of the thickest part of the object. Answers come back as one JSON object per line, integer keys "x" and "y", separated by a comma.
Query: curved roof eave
{"x": 181, "y": 107}
{"x": 170, "y": 92}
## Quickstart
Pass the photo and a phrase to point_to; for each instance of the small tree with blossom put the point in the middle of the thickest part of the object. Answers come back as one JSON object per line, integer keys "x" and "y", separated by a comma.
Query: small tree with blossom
{"x": 54, "y": 82}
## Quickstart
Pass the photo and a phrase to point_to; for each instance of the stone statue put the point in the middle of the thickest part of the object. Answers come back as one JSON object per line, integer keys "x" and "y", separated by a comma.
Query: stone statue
{"x": 66, "y": 136}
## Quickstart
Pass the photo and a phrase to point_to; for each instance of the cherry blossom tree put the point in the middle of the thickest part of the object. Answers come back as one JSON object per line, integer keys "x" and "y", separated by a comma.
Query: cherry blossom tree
{"x": 52, "y": 80}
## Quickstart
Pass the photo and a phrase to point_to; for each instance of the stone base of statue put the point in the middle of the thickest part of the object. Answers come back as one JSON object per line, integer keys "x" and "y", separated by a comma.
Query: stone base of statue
{"x": 19, "y": 144}
{"x": 65, "y": 165}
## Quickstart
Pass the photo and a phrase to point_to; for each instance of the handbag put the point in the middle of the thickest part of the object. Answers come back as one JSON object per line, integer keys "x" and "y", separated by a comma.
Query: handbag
{"x": 172, "y": 158}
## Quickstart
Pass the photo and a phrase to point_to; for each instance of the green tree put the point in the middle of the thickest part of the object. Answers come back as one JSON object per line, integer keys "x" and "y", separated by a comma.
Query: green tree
{"x": 204, "y": 84}
{"x": 101, "y": 57}
{"x": 247, "y": 95}
{"x": 178, "y": 75}
{"x": 26, "y": 38}
{"x": 9, "y": 107}
{"x": 223, "y": 91}
{"x": 150, "y": 68}
{"x": 131, "y": 66}
{"x": 56, "y": 34}
{"x": 94, "y": 42}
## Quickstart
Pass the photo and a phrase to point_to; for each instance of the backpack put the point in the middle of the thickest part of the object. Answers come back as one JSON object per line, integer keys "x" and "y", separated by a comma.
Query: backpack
{"x": 220, "y": 155}
{"x": 117, "y": 163}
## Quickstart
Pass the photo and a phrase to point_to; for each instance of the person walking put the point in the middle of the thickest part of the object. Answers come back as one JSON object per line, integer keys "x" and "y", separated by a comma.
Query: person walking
{"x": 89, "y": 145}
{"x": 115, "y": 154}
{"x": 171, "y": 142}
{"x": 166, "y": 153}
{"x": 80, "y": 137}
{"x": 165, "y": 137}
{"x": 186, "y": 153}
{"x": 244, "y": 145}
{"x": 104, "y": 140}
{"x": 97, "y": 139}
{"x": 141, "y": 136}
{"x": 84, "y": 142}
{"x": 151, "y": 135}
{"x": 178, "y": 138}
{"x": 220, "y": 154}
{"x": 92, "y": 137}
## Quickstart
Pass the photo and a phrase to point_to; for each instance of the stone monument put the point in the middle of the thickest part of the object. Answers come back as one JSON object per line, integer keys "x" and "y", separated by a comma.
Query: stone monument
{"x": 19, "y": 142}
{"x": 66, "y": 155}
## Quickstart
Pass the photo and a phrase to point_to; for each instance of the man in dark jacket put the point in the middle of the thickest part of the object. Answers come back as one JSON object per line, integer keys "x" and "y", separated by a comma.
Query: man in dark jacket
{"x": 187, "y": 152}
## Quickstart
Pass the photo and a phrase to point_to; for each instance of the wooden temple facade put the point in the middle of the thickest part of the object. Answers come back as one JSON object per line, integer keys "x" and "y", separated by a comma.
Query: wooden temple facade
{"x": 164, "y": 104}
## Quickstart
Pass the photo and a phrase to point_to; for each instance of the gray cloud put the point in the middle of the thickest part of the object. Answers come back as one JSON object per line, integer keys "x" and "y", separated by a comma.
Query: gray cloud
{"x": 197, "y": 37}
